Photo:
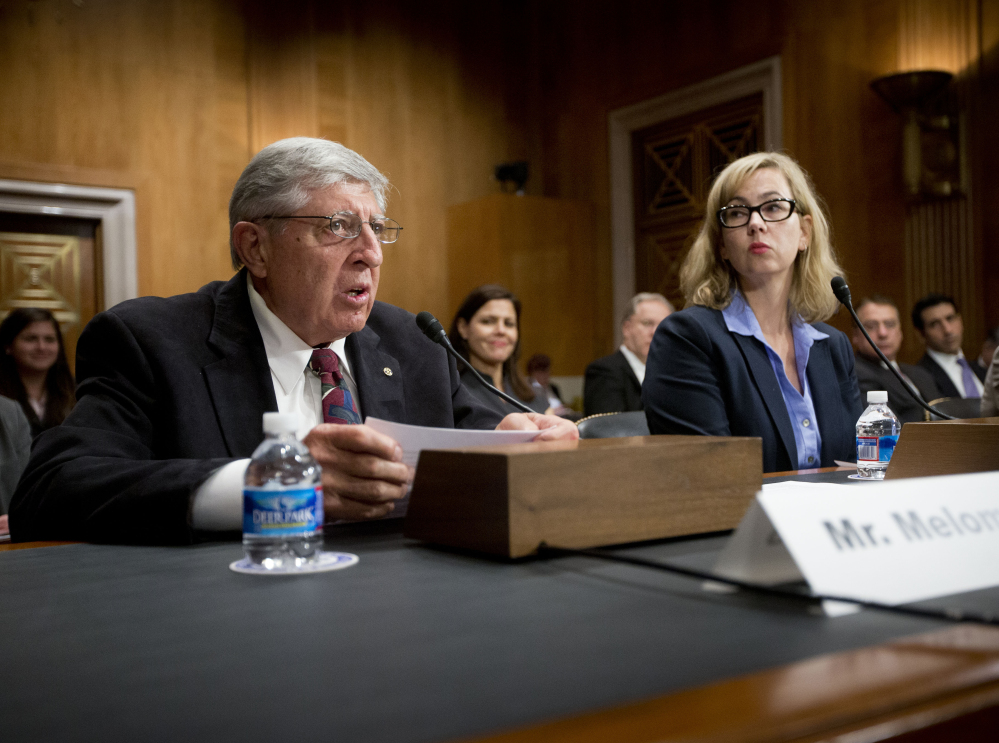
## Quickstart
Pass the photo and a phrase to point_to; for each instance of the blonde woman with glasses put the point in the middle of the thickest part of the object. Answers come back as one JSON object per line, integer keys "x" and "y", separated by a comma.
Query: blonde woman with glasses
{"x": 750, "y": 355}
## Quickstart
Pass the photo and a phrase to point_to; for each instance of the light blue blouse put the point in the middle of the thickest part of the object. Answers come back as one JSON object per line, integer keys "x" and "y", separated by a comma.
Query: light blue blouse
{"x": 739, "y": 318}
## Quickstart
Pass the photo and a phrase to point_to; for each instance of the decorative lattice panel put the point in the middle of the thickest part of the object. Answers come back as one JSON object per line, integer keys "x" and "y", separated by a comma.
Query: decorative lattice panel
{"x": 674, "y": 164}
{"x": 41, "y": 271}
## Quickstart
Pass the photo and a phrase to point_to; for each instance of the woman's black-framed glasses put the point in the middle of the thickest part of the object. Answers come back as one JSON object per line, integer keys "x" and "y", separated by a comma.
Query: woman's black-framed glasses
{"x": 738, "y": 215}
{"x": 348, "y": 225}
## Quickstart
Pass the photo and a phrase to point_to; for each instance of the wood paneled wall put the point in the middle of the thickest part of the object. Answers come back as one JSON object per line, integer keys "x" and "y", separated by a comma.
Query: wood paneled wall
{"x": 172, "y": 97}
{"x": 984, "y": 155}
{"x": 843, "y": 134}
{"x": 151, "y": 95}
{"x": 943, "y": 239}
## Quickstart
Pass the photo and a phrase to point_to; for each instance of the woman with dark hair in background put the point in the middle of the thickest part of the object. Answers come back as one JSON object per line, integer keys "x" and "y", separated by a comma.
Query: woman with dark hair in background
{"x": 486, "y": 331}
{"x": 33, "y": 368}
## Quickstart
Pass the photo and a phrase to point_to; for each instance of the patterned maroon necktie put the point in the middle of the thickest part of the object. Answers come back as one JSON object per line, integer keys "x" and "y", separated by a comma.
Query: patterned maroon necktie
{"x": 338, "y": 403}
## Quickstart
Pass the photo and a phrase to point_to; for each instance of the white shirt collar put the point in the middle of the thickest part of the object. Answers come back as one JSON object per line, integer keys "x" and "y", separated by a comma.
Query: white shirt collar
{"x": 945, "y": 359}
{"x": 287, "y": 355}
{"x": 634, "y": 362}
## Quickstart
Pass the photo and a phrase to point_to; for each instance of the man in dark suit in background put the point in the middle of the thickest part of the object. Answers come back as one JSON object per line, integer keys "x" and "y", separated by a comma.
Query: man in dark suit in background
{"x": 172, "y": 391}
{"x": 939, "y": 323}
{"x": 879, "y": 316}
{"x": 613, "y": 383}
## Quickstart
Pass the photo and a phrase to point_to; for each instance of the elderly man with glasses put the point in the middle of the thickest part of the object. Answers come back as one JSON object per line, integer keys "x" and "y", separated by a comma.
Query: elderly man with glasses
{"x": 172, "y": 391}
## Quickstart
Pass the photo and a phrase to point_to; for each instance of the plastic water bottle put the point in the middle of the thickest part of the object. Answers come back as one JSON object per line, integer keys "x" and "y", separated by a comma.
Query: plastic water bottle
{"x": 282, "y": 499}
{"x": 877, "y": 434}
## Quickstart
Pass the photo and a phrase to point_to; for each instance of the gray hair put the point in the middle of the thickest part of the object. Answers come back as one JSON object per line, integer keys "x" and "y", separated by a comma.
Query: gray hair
{"x": 283, "y": 176}
{"x": 644, "y": 297}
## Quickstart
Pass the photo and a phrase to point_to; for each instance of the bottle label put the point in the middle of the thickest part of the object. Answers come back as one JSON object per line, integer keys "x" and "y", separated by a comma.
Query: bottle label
{"x": 875, "y": 449}
{"x": 282, "y": 513}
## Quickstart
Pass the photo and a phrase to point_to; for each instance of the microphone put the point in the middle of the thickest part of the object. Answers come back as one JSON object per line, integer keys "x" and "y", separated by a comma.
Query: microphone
{"x": 842, "y": 292}
{"x": 430, "y": 327}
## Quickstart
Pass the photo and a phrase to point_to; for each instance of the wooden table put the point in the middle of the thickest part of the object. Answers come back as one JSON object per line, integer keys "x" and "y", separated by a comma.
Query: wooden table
{"x": 423, "y": 644}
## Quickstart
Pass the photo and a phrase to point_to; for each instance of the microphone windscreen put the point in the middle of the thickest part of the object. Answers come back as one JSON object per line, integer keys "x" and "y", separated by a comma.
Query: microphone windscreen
{"x": 430, "y": 326}
{"x": 840, "y": 289}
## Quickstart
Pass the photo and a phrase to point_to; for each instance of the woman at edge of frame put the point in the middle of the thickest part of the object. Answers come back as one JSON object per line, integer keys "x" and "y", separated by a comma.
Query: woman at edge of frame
{"x": 750, "y": 355}
{"x": 34, "y": 369}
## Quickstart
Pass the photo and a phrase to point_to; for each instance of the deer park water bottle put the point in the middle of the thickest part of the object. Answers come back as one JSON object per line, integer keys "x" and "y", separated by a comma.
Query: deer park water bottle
{"x": 282, "y": 500}
{"x": 877, "y": 434}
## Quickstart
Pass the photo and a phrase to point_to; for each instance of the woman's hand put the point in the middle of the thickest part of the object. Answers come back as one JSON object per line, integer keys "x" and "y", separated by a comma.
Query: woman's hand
{"x": 551, "y": 427}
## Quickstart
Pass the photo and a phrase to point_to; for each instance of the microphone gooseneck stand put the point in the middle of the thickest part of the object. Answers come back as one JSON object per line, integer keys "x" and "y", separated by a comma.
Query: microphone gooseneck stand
{"x": 435, "y": 332}
{"x": 842, "y": 292}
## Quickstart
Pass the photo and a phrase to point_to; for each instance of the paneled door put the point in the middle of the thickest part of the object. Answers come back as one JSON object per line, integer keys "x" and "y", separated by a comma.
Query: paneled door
{"x": 51, "y": 263}
{"x": 674, "y": 164}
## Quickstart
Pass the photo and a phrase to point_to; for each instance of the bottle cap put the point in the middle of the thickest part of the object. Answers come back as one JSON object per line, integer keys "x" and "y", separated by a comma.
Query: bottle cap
{"x": 876, "y": 396}
{"x": 280, "y": 423}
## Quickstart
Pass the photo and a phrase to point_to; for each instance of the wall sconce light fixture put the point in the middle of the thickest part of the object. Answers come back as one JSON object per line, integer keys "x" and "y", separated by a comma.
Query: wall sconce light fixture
{"x": 931, "y": 139}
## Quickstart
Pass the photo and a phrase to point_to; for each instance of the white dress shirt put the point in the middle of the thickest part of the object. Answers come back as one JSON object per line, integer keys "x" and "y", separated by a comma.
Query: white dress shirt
{"x": 218, "y": 501}
{"x": 949, "y": 363}
{"x": 634, "y": 362}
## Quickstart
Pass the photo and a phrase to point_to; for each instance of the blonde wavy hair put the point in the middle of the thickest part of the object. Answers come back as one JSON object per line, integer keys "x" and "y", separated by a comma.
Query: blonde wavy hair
{"x": 707, "y": 280}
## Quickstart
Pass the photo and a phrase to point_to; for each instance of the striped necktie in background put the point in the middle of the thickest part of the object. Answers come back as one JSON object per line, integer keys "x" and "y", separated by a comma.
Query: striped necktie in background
{"x": 338, "y": 403}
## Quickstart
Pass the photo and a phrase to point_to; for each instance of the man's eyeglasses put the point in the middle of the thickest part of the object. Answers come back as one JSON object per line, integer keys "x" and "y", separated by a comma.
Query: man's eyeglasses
{"x": 775, "y": 210}
{"x": 348, "y": 225}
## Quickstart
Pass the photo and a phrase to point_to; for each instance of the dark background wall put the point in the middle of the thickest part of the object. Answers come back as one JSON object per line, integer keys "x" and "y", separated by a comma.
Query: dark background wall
{"x": 172, "y": 98}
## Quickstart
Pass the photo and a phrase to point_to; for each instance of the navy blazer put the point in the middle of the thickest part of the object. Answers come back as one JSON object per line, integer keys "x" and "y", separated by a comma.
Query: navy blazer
{"x": 701, "y": 378}
{"x": 171, "y": 389}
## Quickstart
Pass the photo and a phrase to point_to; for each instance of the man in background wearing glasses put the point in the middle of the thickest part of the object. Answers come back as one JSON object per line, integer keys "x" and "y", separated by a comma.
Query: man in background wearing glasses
{"x": 172, "y": 391}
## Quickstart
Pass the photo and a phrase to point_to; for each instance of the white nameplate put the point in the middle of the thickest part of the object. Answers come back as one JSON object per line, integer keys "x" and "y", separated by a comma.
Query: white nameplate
{"x": 894, "y": 542}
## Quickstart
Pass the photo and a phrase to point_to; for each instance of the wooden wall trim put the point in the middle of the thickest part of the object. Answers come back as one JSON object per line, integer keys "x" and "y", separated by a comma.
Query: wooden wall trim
{"x": 862, "y": 695}
{"x": 113, "y": 208}
{"x": 763, "y": 76}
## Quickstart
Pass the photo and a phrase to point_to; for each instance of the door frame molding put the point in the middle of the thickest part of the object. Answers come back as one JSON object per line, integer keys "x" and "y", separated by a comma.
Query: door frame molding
{"x": 760, "y": 77}
{"x": 114, "y": 208}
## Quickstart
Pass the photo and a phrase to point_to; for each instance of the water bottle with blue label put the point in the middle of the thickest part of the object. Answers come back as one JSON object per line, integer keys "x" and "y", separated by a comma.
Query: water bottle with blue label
{"x": 282, "y": 500}
{"x": 877, "y": 435}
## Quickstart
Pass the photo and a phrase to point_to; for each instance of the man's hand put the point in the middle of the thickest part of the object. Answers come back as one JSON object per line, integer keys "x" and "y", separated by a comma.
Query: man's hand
{"x": 363, "y": 473}
{"x": 551, "y": 427}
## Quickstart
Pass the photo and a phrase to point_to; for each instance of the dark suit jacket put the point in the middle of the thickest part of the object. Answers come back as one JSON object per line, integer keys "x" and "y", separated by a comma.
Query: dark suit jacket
{"x": 611, "y": 386}
{"x": 538, "y": 403}
{"x": 944, "y": 383}
{"x": 703, "y": 379}
{"x": 15, "y": 445}
{"x": 871, "y": 375}
{"x": 171, "y": 389}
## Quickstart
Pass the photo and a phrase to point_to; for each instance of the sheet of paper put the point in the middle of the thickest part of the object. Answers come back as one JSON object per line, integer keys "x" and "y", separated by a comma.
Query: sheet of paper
{"x": 414, "y": 439}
